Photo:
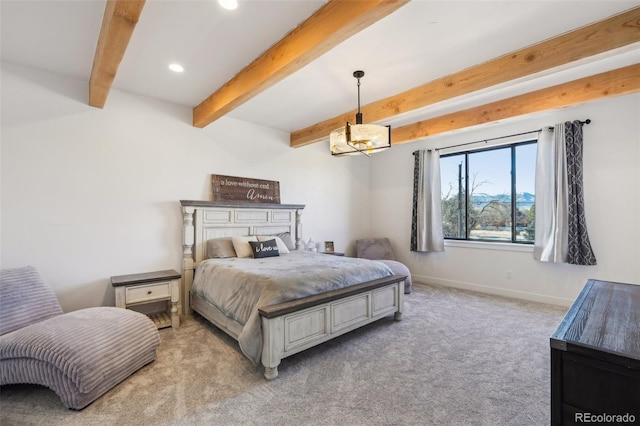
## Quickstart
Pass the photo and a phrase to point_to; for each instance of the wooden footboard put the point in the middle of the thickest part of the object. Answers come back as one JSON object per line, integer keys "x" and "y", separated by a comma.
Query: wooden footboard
{"x": 294, "y": 326}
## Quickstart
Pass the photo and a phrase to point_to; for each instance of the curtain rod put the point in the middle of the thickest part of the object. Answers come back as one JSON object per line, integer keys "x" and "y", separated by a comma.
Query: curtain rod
{"x": 550, "y": 129}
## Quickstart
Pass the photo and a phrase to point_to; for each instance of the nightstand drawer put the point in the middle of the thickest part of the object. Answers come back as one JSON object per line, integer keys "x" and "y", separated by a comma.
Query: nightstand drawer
{"x": 147, "y": 293}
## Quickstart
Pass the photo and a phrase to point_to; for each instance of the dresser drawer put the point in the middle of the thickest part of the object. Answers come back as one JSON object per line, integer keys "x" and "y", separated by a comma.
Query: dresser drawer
{"x": 147, "y": 293}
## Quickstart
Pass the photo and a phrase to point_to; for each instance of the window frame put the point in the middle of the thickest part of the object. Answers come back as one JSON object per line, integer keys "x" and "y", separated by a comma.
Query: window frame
{"x": 512, "y": 146}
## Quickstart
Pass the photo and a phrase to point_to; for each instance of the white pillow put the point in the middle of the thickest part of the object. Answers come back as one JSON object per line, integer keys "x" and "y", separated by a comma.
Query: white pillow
{"x": 241, "y": 245}
{"x": 282, "y": 247}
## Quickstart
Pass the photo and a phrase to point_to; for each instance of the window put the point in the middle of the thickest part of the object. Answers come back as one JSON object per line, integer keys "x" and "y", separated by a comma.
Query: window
{"x": 489, "y": 194}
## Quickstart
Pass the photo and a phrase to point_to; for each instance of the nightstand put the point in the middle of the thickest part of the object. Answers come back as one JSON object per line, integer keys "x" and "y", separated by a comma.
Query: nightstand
{"x": 150, "y": 287}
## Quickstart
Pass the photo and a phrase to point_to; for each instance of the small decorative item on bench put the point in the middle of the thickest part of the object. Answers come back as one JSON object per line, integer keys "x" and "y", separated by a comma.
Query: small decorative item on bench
{"x": 246, "y": 190}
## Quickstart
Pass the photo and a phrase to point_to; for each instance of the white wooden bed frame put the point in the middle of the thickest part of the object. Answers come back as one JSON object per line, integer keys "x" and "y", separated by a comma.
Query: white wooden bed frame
{"x": 288, "y": 327}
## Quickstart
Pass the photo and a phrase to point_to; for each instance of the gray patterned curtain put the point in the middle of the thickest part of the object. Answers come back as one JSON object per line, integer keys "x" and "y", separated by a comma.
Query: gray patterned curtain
{"x": 426, "y": 222}
{"x": 561, "y": 231}
{"x": 579, "y": 247}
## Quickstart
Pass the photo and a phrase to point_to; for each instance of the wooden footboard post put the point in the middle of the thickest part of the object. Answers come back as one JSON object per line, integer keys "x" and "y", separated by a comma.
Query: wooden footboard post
{"x": 272, "y": 345}
{"x": 398, "y": 314}
{"x": 188, "y": 234}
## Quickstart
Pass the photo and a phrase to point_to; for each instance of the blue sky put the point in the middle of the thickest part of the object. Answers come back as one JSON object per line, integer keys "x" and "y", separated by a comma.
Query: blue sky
{"x": 492, "y": 169}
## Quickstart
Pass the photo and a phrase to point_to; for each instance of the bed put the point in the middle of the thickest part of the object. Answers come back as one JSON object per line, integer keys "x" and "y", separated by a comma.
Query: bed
{"x": 305, "y": 311}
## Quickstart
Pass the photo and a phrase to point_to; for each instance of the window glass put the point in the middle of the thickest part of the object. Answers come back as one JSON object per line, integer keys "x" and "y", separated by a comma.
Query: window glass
{"x": 453, "y": 181}
{"x": 525, "y": 192}
{"x": 489, "y": 195}
{"x": 490, "y": 191}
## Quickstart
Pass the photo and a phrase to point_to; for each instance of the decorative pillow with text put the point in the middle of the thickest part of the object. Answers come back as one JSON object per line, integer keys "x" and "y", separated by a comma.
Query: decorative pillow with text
{"x": 262, "y": 249}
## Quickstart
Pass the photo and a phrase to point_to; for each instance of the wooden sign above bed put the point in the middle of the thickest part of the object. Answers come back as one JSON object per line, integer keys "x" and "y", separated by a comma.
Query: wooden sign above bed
{"x": 248, "y": 190}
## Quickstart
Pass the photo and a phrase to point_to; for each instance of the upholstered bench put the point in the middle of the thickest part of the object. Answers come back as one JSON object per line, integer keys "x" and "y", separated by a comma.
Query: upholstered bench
{"x": 79, "y": 355}
{"x": 380, "y": 250}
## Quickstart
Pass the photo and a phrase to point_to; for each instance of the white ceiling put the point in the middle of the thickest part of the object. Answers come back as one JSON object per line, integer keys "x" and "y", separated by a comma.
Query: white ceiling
{"x": 420, "y": 42}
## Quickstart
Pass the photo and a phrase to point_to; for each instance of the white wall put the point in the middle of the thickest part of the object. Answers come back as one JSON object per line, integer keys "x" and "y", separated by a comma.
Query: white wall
{"x": 612, "y": 198}
{"x": 89, "y": 193}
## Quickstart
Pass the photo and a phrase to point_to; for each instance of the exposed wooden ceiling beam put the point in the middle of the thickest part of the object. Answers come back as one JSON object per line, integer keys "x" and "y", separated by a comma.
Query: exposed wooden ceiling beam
{"x": 622, "y": 81}
{"x": 327, "y": 27}
{"x": 119, "y": 20}
{"x": 602, "y": 36}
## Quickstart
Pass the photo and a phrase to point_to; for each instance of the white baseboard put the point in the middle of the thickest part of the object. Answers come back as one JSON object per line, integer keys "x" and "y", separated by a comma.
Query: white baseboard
{"x": 498, "y": 291}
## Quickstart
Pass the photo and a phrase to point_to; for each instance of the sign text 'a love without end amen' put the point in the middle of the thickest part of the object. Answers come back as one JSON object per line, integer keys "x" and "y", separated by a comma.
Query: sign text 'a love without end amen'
{"x": 241, "y": 189}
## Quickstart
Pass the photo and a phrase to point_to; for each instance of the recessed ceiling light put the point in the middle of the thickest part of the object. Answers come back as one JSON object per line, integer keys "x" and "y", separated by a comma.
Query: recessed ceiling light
{"x": 176, "y": 67}
{"x": 229, "y": 4}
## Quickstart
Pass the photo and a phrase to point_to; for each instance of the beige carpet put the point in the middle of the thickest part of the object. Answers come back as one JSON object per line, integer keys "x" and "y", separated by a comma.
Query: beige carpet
{"x": 456, "y": 358}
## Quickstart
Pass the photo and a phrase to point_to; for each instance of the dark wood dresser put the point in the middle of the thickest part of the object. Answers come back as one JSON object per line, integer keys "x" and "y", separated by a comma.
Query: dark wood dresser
{"x": 595, "y": 357}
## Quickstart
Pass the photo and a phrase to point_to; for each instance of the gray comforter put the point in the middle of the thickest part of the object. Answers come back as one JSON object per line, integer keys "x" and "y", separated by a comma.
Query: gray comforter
{"x": 239, "y": 286}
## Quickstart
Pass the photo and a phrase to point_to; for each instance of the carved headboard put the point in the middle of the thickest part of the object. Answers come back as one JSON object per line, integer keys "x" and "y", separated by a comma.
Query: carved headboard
{"x": 204, "y": 220}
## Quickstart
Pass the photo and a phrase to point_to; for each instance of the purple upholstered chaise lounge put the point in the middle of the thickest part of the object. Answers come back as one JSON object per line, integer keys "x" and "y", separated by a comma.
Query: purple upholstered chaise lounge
{"x": 79, "y": 355}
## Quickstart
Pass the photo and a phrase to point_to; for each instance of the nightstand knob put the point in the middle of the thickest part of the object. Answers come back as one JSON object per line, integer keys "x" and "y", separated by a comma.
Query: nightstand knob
{"x": 149, "y": 292}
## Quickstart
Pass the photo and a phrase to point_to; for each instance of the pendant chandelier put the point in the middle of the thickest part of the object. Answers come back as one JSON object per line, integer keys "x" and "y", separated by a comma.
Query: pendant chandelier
{"x": 354, "y": 139}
